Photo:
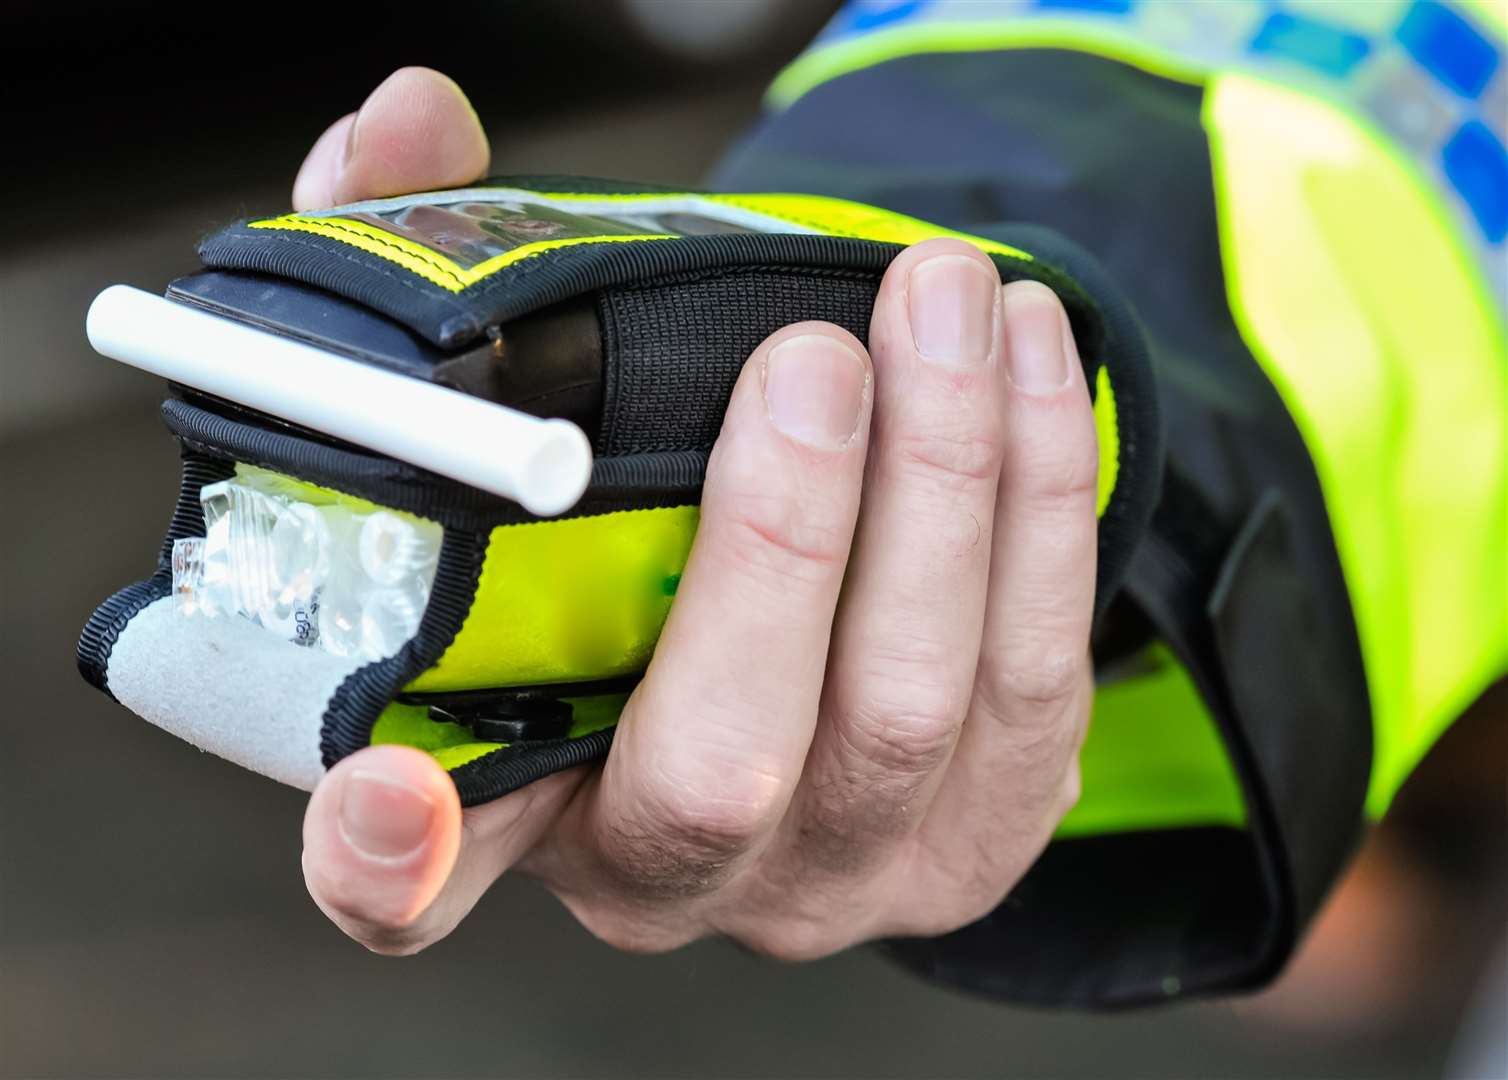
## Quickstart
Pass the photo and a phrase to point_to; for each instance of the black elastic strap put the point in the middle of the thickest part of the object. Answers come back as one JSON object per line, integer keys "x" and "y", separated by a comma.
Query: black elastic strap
{"x": 674, "y": 347}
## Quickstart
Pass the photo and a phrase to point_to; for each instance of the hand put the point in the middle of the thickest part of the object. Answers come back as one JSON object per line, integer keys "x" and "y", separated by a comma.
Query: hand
{"x": 864, "y": 714}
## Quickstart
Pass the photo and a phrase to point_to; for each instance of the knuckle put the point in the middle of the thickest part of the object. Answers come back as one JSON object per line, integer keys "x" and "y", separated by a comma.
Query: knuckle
{"x": 724, "y": 826}
{"x": 907, "y": 737}
{"x": 1051, "y": 469}
{"x": 953, "y": 461}
{"x": 1045, "y": 681}
{"x": 774, "y": 536}
{"x": 1067, "y": 485}
{"x": 714, "y": 807}
{"x": 867, "y": 794}
{"x": 683, "y": 846}
{"x": 647, "y": 866}
{"x": 908, "y": 717}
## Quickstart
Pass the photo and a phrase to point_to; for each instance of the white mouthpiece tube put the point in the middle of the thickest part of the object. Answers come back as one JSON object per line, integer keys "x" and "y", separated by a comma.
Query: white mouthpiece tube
{"x": 543, "y": 465}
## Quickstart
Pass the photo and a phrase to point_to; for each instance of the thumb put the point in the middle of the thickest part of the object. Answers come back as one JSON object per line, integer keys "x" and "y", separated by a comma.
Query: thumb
{"x": 415, "y": 132}
{"x": 381, "y": 835}
{"x": 392, "y": 860}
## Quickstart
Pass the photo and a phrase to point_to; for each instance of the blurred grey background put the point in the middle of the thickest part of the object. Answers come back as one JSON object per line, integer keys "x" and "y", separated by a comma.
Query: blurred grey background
{"x": 153, "y": 920}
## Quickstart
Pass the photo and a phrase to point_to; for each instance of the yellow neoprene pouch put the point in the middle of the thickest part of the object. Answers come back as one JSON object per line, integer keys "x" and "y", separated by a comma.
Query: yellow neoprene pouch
{"x": 628, "y": 311}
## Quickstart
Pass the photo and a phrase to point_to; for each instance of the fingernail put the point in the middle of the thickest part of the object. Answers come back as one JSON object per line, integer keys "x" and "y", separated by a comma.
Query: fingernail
{"x": 814, "y": 390}
{"x": 1036, "y": 356}
{"x": 384, "y": 818}
{"x": 952, "y": 307}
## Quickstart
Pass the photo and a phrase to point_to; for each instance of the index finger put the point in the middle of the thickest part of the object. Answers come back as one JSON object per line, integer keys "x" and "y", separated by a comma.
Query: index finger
{"x": 711, "y": 745}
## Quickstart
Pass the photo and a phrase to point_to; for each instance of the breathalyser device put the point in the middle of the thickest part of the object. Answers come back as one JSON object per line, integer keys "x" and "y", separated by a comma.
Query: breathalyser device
{"x": 443, "y": 453}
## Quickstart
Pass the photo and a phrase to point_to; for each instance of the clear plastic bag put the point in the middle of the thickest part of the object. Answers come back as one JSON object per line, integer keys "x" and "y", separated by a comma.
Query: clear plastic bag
{"x": 315, "y": 572}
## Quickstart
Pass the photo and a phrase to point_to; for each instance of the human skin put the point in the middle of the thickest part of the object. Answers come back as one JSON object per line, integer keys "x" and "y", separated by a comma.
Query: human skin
{"x": 864, "y": 714}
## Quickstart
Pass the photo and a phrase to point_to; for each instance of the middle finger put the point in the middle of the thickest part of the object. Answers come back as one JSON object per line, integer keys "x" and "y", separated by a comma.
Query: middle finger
{"x": 906, "y": 641}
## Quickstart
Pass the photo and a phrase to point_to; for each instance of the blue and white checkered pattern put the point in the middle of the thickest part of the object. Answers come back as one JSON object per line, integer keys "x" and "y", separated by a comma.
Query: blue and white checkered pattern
{"x": 1422, "y": 72}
